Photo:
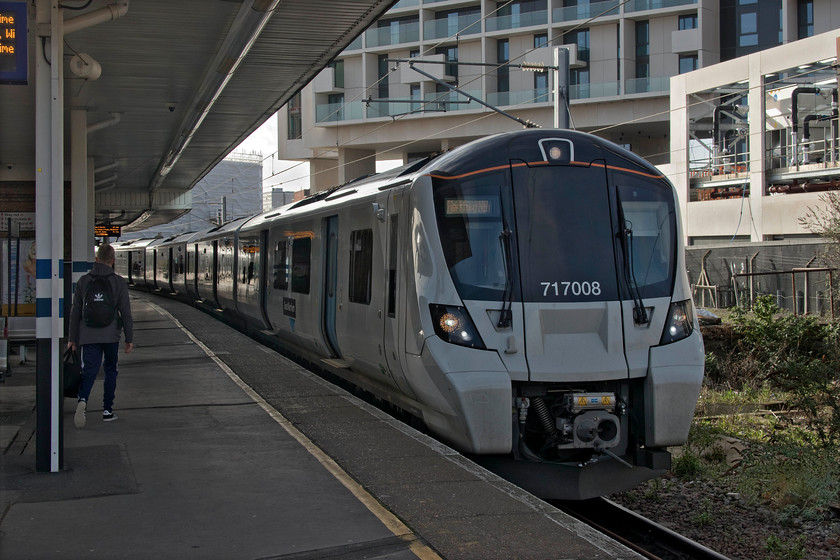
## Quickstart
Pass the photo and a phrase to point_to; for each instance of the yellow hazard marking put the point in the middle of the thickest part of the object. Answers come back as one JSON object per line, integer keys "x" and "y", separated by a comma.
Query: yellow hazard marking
{"x": 605, "y": 400}
{"x": 581, "y": 401}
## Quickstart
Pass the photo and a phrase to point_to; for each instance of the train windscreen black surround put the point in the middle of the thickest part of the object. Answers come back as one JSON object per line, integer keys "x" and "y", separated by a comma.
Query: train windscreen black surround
{"x": 554, "y": 217}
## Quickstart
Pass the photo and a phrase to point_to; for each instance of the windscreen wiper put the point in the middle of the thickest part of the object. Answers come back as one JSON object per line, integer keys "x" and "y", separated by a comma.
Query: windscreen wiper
{"x": 640, "y": 316}
{"x": 505, "y": 314}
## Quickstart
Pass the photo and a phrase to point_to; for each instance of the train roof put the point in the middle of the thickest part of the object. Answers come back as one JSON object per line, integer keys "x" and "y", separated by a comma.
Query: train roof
{"x": 530, "y": 146}
{"x": 362, "y": 185}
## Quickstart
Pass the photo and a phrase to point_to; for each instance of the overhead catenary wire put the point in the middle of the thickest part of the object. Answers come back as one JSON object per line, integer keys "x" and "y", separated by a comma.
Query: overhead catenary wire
{"x": 374, "y": 130}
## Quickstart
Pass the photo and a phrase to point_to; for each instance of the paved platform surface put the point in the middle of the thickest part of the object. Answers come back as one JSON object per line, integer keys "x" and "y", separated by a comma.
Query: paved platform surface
{"x": 225, "y": 449}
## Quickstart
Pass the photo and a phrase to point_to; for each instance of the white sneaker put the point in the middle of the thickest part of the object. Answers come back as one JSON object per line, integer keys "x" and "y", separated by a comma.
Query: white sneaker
{"x": 79, "y": 417}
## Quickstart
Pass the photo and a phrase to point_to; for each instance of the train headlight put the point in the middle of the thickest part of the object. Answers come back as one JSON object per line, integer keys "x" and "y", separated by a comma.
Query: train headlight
{"x": 453, "y": 324}
{"x": 679, "y": 323}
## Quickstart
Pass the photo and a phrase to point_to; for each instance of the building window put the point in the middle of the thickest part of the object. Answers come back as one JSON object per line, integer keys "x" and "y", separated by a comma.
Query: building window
{"x": 462, "y": 20}
{"x": 748, "y": 30}
{"x": 301, "y": 264}
{"x": 688, "y": 63}
{"x": 748, "y": 26}
{"x": 540, "y": 40}
{"x": 336, "y": 106}
{"x": 642, "y": 49}
{"x": 688, "y": 21}
{"x": 294, "y": 127}
{"x": 361, "y": 265}
{"x": 579, "y": 76}
{"x": 338, "y": 73}
{"x": 805, "y": 18}
{"x": 450, "y": 54}
{"x": 503, "y": 72}
{"x": 382, "y": 84}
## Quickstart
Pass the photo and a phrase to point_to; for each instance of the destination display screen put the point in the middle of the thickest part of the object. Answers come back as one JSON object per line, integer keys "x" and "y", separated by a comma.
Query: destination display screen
{"x": 471, "y": 206}
{"x": 107, "y": 231}
{"x": 14, "y": 64}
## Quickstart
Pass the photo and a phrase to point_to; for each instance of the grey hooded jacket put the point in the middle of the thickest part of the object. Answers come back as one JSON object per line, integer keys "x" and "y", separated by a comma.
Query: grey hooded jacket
{"x": 81, "y": 334}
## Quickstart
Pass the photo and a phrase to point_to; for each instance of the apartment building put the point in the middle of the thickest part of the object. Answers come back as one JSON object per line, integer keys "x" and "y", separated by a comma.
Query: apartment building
{"x": 372, "y": 104}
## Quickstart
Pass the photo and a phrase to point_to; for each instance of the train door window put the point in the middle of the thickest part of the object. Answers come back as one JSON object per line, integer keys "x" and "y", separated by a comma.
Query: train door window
{"x": 301, "y": 264}
{"x": 281, "y": 267}
{"x": 392, "y": 268}
{"x": 361, "y": 265}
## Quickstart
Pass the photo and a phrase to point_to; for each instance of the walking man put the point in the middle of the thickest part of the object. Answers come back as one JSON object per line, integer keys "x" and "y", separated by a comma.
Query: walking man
{"x": 101, "y": 309}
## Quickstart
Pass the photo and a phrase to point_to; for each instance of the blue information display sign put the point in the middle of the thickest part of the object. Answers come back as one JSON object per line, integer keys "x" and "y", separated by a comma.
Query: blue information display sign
{"x": 14, "y": 64}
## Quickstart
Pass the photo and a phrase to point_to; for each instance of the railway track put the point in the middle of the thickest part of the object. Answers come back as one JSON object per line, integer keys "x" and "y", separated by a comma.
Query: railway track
{"x": 642, "y": 535}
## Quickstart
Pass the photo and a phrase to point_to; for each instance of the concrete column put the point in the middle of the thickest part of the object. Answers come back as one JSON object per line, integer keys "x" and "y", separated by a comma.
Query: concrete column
{"x": 679, "y": 150}
{"x": 82, "y": 189}
{"x": 355, "y": 163}
{"x": 323, "y": 174}
{"x": 757, "y": 130}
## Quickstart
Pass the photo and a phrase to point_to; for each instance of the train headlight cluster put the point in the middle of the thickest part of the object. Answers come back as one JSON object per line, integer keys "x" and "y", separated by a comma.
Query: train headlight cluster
{"x": 680, "y": 322}
{"x": 453, "y": 324}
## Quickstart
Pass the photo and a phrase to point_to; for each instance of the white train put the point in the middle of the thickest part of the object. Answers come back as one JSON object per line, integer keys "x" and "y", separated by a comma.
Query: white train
{"x": 524, "y": 295}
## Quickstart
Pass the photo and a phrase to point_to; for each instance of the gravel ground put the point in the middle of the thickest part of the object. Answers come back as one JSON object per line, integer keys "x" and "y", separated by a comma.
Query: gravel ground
{"x": 718, "y": 518}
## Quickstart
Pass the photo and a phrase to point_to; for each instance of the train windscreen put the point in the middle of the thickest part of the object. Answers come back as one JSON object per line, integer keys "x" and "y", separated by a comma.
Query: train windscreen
{"x": 557, "y": 234}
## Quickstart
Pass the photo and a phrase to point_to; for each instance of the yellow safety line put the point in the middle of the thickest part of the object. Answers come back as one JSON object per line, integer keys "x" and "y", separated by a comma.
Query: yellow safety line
{"x": 391, "y": 521}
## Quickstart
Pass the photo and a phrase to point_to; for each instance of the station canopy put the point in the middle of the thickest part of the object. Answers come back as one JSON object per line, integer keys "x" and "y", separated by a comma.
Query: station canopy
{"x": 176, "y": 94}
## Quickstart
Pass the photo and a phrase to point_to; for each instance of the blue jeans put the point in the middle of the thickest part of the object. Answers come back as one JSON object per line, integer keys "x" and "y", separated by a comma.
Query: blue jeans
{"x": 91, "y": 360}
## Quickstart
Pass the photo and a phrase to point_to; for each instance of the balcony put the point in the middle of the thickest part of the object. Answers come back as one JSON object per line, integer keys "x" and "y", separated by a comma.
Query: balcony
{"x": 336, "y": 112}
{"x": 394, "y": 35}
{"x": 685, "y": 41}
{"x": 324, "y": 82}
{"x": 405, "y": 4}
{"x": 443, "y": 28}
{"x": 522, "y": 97}
{"x": 642, "y": 5}
{"x": 590, "y": 91}
{"x": 355, "y": 45}
{"x": 516, "y": 21}
{"x": 647, "y": 85}
{"x": 585, "y": 11}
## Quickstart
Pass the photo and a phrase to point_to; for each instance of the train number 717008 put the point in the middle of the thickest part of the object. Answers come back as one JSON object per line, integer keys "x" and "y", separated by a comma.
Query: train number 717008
{"x": 585, "y": 288}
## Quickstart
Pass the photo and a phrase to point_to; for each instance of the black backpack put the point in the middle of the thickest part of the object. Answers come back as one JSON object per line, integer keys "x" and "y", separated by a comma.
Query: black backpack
{"x": 99, "y": 308}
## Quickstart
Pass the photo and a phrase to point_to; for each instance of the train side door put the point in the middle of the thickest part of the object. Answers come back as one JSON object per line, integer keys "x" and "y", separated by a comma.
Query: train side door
{"x": 330, "y": 284}
{"x": 392, "y": 229}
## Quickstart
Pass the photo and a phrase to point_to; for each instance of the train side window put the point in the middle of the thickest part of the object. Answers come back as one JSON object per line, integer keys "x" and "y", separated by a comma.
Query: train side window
{"x": 361, "y": 265}
{"x": 392, "y": 267}
{"x": 281, "y": 267}
{"x": 301, "y": 264}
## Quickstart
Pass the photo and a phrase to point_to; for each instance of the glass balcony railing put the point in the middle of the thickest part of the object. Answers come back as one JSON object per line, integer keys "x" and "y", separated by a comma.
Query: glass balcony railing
{"x": 590, "y": 91}
{"x": 438, "y": 101}
{"x": 405, "y": 4}
{"x": 355, "y": 45}
{"x": 585, "y": 11}
{"x": 335, "y": 112}
{"x": 647, "y": 85}
{"x": 516, "y": 21}
{"x": 522, "y": 97}
{"x": 404, "y": 33}
{"x": 393, "y": 109}
{"x": 443, "y": 28}
{"x": 641, "y": 5}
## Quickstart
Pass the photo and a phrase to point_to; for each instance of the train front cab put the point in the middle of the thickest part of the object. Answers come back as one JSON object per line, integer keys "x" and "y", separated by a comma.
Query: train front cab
{"x": 568, "y": 301}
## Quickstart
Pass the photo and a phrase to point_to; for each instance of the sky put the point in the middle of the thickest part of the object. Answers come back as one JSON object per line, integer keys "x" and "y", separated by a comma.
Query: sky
{"x": 288, "y": 175}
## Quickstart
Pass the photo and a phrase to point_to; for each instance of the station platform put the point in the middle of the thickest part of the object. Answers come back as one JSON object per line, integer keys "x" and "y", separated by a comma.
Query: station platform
{"x": 225, "y": 449}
